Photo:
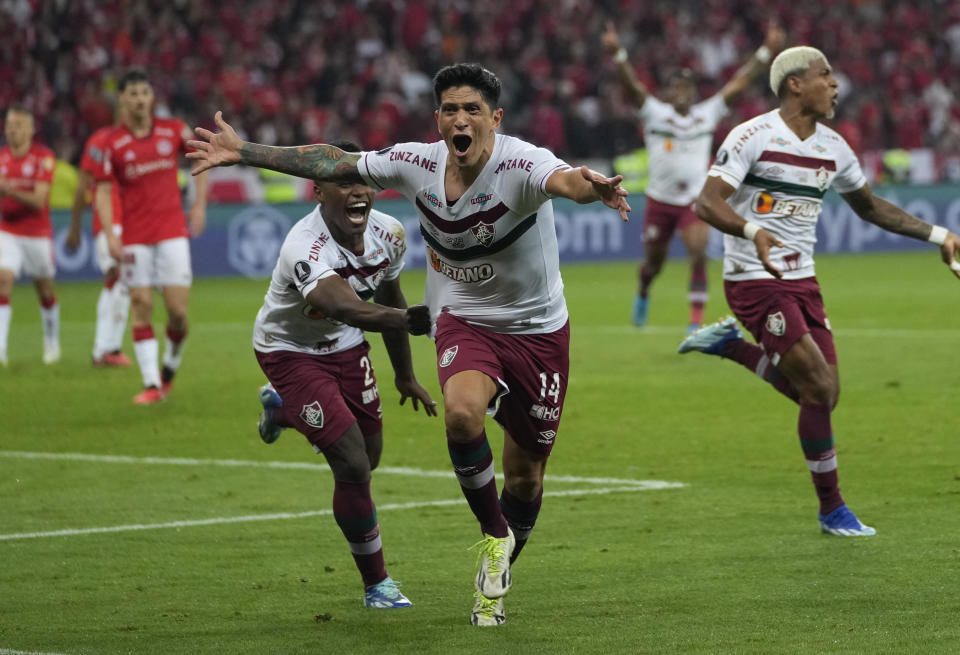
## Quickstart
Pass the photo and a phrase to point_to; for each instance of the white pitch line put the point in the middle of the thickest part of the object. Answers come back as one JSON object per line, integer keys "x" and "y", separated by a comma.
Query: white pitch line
{"x": 300, "y": 515}
{"x": 7, "y": 651}
{"x": 388, "y": 470}
{"x": 678, "y": 331}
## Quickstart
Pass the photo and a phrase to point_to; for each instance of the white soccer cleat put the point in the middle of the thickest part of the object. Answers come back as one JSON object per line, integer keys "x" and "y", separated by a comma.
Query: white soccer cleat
{"x": 841, "y": 522}
{"x": 494, "y": 577}
{"x": 711, "y": 339}
{"x": 487, "y": 611}
{"x": 51, "y": 352}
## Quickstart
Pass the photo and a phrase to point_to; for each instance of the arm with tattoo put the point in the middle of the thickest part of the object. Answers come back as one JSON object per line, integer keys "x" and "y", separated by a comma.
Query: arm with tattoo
{"x": 318, "y": 162}
{"x": 882, "y": 213}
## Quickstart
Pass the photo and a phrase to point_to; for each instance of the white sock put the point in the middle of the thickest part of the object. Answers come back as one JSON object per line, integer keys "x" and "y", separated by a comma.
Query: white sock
{"x": 147, "y": 352}
{"x": 6, "y": 311}
{"x": 103, "y": 334}
{"x": 51, "y": 323}
{"x": 118, "y": 319}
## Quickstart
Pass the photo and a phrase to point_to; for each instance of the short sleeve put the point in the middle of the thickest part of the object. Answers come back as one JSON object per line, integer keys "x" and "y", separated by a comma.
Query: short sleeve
{"x": 849, "y": 176}
{"x": 652, "y": 109}
{"x": 297, "y": 269}
{"x": 392, "y": 168}
{"x": 715, "y": 109}
{"x": 733, "y": 160}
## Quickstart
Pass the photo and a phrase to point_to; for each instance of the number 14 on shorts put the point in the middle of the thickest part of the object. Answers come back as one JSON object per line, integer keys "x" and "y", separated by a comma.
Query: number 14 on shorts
{"x": 550, "y": 386}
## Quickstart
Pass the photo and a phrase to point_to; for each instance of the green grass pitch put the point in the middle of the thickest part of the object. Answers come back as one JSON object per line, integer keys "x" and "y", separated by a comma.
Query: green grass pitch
{"x": 731, "y": 562}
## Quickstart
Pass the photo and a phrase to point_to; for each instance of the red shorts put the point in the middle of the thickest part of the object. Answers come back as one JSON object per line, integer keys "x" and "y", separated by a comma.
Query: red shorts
{"x": 323, "y": 395}
{"x": 530, "y": 371}
{"x": 661, "y": 220}
{"x": 779, "y": 312}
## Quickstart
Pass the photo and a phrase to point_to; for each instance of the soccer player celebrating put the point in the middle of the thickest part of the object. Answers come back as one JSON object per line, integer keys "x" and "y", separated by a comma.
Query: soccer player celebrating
{"x": 141, "y": 161}
{"x": 26, "y": 234}
{"x": 113, "y": 305}
{"x": 765, "y": 192}
{"x": 493, "y": 288}
{"x": 678, "y": 133}
{"x": 308, "y": 339}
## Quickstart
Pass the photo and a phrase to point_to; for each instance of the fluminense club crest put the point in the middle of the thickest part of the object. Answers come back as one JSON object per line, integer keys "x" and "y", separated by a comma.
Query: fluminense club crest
{"x": 776, "y": 324}
{"x": 447, "y": 358}
{"x": 312, "y": 414}
{"x": 484, "y": 233}
{"x": 823, "y": 178}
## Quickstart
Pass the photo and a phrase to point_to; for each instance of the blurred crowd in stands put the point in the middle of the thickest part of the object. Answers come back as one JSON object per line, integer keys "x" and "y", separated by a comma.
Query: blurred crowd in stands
{"x": 292, "y": 71}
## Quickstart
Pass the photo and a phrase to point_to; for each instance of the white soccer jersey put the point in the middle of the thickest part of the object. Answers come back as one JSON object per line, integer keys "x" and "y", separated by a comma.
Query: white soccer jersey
{"x": 679, "y": 147}
{"x": 492, "y": 255}
{"x": 286, "y": 321}
{"x": 780, "y": 181}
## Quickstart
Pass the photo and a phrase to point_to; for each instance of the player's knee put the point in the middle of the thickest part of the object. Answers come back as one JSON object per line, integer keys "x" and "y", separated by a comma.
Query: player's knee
{"x": 374, "y": 451}
{"x": 462, "y": 421}
{"x": 351, "y": 465}
{"x": 819, "y": 389}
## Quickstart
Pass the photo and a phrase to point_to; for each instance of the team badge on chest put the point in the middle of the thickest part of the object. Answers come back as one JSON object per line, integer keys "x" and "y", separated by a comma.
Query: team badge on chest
{"x": 823, "y": 178}
{"x": 484, "y": 233}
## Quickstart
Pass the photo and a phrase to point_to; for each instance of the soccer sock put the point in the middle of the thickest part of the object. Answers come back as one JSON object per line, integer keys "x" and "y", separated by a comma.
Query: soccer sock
{"x": 145, "y": 347}
{"x": 755, "y": 359}
{"x": 50, "y": 317}
{"x": 521, "y": 516}
{"x": 118, "y": 317}
{"x": 172, "y": 353}
{"x": 473, "y": 464}
{"x": 816, "y": 439}
{"x": 698, "y": 292}
{"x": 646, "y": 278}
{"x": 103, "y": 333}
{"x": 5, "y": 313}
{"x": 356, "y": 515}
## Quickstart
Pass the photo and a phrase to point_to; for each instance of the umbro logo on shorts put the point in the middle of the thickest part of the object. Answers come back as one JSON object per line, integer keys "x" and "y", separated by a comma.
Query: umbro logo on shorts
{"x": 447, "y": 358}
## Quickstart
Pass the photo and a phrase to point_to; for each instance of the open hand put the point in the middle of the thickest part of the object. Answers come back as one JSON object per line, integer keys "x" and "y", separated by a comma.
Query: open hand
{"x": 216, "y": 149}
{"x": 608, "y": 188}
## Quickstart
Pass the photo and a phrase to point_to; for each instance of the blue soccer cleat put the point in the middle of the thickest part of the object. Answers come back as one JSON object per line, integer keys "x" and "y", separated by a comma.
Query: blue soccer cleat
{"x": 268, "y": 425}
{"x": 640, "y": 307}
{"x": 711, "y": 339}
{"x": 844, "y": 523}
{"x": 385, "y": 596}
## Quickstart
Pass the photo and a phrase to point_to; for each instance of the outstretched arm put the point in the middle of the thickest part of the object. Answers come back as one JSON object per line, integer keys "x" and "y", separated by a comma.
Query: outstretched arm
{"x": 712, "y": 207}
{"x": 583, "y": 185}
{"x": 315, "y": 162}
{"x": 397, "y": 343}
{"x": 335, "y": 299}
{"x": 635, "y": 88}
{"x": 891, "y": 218}
{"x": 758, "y": 62}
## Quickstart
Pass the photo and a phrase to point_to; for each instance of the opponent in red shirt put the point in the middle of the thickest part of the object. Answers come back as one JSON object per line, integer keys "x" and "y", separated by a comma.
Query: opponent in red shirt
{"x": 113, "y": 305}
{"x": 140, "y": 160}
{"x": 26, "y": 235}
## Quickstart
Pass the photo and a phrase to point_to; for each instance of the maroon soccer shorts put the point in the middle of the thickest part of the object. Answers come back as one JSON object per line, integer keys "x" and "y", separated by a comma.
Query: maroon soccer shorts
{"x": 661, "y": 220}
{"x": 530, "y": 371}
{"x": 323, "y": 395}
{"x": 779, "y": 312}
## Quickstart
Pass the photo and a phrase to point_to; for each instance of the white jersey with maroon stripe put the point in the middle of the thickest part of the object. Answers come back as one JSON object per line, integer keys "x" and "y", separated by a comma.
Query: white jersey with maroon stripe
{"x": 679, "y": 147}
{"x": 286, "y": 321}
{"x": 780, "y": 181}
{"x": 492, "y": 256}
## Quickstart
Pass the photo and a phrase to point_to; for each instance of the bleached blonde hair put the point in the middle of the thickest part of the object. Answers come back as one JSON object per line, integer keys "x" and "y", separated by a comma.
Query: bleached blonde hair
{"x": 792, "y": 61}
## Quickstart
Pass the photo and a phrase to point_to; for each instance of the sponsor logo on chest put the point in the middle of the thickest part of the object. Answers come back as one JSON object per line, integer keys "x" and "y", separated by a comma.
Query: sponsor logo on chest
{"x": 764, "y": 203}
{"x": 477, "y": 273}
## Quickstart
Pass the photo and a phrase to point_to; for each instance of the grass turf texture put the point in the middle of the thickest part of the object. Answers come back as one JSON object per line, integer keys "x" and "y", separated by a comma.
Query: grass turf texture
{"x": 731, "y": 563}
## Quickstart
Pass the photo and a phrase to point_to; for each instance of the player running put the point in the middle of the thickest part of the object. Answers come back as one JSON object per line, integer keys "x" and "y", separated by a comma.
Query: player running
{"x": 493, "y": 288}
{"x": 765, "y": 192}
{"x": 308, "y": 339}
{"x": 113, "y": 305}
{"x": 26, "y": 234}
{"x": 678, "y": 134}
{"x": 141, "y": 161}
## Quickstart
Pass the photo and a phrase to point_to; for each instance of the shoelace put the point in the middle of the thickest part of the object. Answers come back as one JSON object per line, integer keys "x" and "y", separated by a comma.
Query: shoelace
{"x": 493, "y": 549}
{"x": 487, "y": 605}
